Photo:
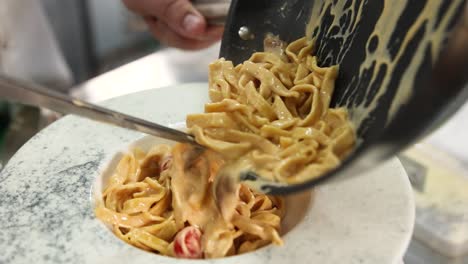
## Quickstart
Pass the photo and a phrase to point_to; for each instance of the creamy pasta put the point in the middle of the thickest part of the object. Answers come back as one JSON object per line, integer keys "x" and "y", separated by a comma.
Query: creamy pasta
{"x": 270, "y": 114}
{"x": 159, "y": 202}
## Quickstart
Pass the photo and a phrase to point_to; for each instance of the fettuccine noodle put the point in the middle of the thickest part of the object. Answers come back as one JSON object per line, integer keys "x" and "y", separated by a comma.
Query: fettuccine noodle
{"x": 272, "y": 113}
{"x": 155, "y": 202}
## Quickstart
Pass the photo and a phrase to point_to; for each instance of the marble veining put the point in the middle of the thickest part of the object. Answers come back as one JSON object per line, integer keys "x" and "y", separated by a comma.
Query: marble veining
{"x": 46, "y": 202}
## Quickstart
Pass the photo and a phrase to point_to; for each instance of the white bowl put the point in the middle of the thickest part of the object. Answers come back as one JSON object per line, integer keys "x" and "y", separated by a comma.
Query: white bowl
{"x": 47, "y": 203}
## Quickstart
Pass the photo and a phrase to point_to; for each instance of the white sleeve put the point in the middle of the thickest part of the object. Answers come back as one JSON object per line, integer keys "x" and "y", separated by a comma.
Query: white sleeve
{"x": 28, "y": 48}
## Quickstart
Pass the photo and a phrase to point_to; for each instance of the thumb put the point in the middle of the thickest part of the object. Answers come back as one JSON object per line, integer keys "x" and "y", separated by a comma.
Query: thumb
{"x": 182, "y": 17}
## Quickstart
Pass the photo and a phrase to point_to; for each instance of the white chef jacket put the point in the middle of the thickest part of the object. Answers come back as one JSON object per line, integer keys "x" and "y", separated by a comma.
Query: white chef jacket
{"x": 28, "y": 48}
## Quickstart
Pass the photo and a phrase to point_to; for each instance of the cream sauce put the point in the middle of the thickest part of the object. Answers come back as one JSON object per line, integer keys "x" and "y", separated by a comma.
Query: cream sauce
{"x": 193, "y": 202}
{"x": 433, "y": 38}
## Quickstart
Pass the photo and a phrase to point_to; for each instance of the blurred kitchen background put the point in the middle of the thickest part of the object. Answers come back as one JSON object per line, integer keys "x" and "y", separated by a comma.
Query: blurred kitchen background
{"x": 93, "y": 37}
{"x": 97, "y": 35}
{"x": 109, "y": 53}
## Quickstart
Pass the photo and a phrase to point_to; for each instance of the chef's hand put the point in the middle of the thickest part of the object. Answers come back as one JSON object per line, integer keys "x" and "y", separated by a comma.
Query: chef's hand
{"x": 176, "y": 23}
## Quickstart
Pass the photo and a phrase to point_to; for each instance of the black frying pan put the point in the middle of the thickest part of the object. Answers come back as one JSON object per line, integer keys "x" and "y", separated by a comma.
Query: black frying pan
{"x": 403, "y": 65}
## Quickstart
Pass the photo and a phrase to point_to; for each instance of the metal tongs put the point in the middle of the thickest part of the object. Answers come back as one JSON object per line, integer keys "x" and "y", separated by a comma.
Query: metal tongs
{"x": 36, "y": 95}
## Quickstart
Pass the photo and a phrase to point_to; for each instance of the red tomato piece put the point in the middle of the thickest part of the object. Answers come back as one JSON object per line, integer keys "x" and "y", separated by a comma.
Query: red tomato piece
{"x": 187, "y": 243}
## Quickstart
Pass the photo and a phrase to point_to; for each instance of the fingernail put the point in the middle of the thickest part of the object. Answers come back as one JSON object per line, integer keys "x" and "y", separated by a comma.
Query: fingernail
{"x": 191, "y": 22}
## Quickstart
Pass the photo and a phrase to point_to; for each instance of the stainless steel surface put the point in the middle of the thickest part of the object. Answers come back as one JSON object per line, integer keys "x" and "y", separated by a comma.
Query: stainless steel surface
{"x": 215, "y": 11}
{"x": 166, "y": 67}
{"x": 95, "y": 35}
{"x": 68, "y": 23}
{"x": 31, "y": 94}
